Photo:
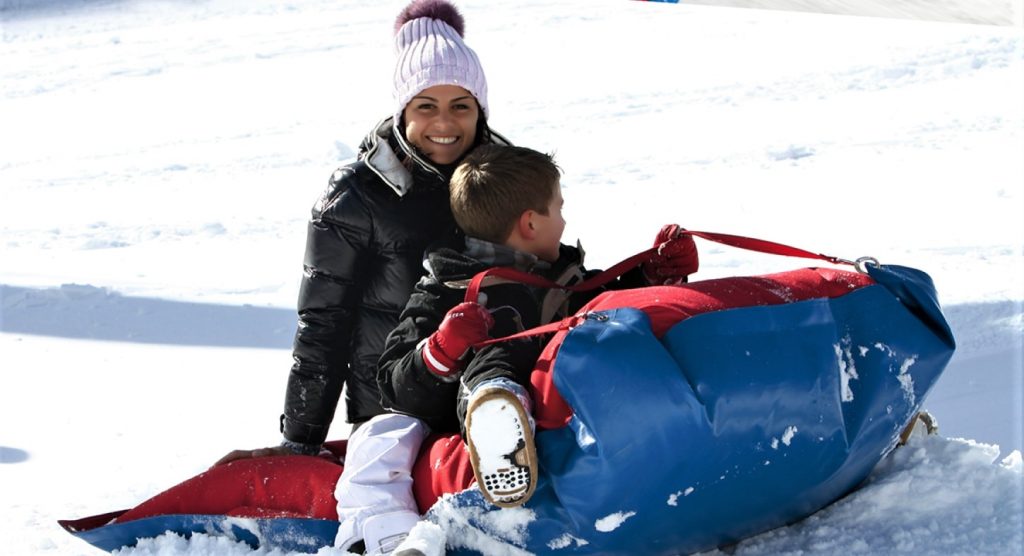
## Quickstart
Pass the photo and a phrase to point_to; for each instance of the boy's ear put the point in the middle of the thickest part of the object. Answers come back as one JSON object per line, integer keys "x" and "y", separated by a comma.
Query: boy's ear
{"x": 525, "y": 225}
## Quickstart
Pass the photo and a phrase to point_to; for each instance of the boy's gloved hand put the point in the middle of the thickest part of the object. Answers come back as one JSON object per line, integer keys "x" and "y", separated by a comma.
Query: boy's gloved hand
{"x": 465, "y": 324}
{"x": 675, "y": 260}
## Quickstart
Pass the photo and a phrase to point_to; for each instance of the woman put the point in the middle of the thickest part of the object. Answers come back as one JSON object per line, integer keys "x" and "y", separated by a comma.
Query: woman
{"x": 368, "y": 231}
{"x": 364, "y": 251}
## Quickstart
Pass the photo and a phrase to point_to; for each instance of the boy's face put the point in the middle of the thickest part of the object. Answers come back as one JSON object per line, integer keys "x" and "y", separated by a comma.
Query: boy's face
{"x": 549, "y": 228}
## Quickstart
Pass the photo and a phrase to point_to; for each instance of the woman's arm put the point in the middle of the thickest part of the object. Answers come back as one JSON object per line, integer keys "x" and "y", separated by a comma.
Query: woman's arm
{"x": 338, "y": 244}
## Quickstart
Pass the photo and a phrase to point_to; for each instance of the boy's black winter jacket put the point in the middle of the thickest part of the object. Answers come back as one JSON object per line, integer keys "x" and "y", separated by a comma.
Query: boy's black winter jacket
{"x": 407, "y": 386}
{"x": 364, "y": 253}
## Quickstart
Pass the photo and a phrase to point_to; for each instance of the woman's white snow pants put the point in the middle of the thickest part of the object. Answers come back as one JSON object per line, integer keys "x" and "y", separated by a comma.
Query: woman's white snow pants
{"x": 378, "y": 475}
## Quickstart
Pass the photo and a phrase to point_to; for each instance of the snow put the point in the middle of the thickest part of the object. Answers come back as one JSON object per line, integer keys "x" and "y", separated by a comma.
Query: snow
{"x": 673, "y": 499}
{"x": 787, "y": 436}
{"x": 160, "y": 160}
{"x": 847, "y": 368}
{"x": 428, "y": 538}
{"x": 996, "y": 12}
{"x": 915, "y": 504}
{"x": 565, "y": 541}
{"x": 907, "y": 380}
{"x": 499, "y": 532}
{"x": 612, "y": 522}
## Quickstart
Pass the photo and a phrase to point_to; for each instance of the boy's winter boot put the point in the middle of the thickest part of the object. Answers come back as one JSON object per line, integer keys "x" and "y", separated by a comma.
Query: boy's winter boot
{"x": 499, "y": 434}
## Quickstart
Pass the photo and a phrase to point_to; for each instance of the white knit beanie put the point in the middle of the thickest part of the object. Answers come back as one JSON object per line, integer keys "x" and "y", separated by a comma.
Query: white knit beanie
{"x": 428, "y": 42}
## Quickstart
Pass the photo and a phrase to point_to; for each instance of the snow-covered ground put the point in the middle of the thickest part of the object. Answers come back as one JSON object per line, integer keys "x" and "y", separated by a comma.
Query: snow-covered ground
{"x": 158, "y": 161}
{"x": 990, "y": 12}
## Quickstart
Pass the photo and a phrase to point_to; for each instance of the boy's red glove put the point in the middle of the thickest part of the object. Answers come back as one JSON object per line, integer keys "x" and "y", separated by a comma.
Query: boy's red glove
{"x": 465, "y": 324}
{"x": 675, "y": 259}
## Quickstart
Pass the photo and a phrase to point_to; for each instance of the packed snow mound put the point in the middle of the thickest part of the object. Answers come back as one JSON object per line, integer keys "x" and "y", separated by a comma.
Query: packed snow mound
{"x": 933, "y": 496}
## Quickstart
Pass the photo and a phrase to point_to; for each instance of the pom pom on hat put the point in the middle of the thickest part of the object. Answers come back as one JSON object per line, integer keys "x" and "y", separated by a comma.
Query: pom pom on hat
{"x": 434, "y": 9}
{"x": 430, "y": 50}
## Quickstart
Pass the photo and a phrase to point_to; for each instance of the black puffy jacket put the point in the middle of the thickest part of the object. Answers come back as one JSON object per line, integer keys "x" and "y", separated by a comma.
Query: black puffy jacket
{"x": 364, "y": 253}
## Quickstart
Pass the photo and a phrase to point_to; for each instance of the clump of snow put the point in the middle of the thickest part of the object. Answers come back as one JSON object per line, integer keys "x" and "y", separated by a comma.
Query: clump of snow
{"x": 847, "y": 368}
{"x": 787, "y": 437}
{"x": 198, "y": 544}
{"x": 906, "y": 380}
{"x": 612, "y": 522}
{"x": 508, "y": 523}
{"x": 673, "y": 499}
{"x": 495, "y": 431}
{"x": 902, "y": 373}
{"x": 246, "y": 524}
{"x": 1013, "y": 462}
{"x": 427, "y": 537}
{"x": 499, "y": 533}
{"x": 788, "y": 434}
{"x": 566, "y": 541}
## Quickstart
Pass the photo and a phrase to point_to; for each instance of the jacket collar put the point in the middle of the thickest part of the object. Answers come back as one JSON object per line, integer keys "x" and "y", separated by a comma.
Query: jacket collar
{"x": 496, "y": 254}
{"x": 457, "y": 258}
{"x": 380, "y": 157}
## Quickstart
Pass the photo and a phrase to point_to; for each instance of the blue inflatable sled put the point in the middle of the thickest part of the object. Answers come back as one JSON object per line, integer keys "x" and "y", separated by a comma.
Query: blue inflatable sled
{"x": 733, "y": 422}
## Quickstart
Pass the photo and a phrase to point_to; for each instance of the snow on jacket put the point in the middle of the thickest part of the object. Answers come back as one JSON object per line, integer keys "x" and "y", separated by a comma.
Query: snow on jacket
{"x": 407, "y": 386}
{"x": 364, "y": 253}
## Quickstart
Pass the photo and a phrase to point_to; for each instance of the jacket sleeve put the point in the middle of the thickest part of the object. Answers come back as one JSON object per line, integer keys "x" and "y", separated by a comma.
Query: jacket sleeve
{"x": 511, "y": 359}
{"x": 337, "y": 243}
{"x": 406, "y": 385}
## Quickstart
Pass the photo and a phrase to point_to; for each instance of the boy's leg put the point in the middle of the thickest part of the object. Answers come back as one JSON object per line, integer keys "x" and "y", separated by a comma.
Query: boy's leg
{"x": 442, "y": 468}
{"x": 499, "y": 435}
{"x": 374, "y": 493}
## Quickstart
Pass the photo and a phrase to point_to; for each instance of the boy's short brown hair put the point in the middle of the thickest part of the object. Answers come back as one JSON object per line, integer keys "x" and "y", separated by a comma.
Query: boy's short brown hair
{"x": 494, "y": 185}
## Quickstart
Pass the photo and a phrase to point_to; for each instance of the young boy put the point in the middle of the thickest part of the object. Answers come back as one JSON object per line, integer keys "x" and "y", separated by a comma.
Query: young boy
{"x": 508, "y": 202}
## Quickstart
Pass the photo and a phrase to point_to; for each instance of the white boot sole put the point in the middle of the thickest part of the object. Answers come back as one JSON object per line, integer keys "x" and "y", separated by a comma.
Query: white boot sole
{"x": 501, "y": 448}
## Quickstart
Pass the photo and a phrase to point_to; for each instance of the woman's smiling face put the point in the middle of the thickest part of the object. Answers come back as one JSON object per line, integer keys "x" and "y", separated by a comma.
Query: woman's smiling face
{"x": 441, "y": 122}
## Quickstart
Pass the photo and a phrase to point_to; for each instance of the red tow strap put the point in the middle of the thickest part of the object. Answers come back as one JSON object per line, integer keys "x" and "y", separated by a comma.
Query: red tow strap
{"x": 763, "y": 246}
{"x": 511, "y": 274}
{"x": 620, "y": 268}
